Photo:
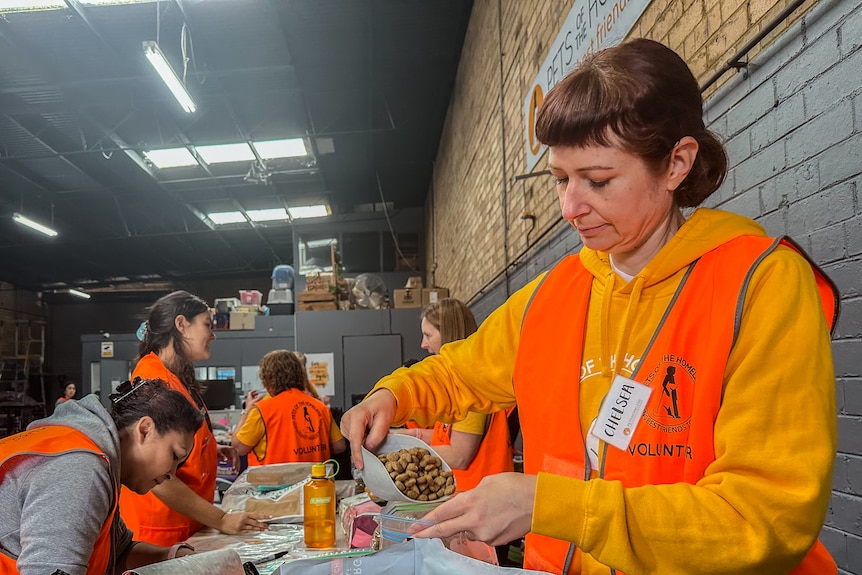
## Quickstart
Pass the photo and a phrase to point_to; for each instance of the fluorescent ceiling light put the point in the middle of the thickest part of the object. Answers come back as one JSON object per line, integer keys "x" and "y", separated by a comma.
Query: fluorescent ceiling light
{"x": 268, "y": 215}
{"x": 25, "y": 221}
{"x": 79, "y": 293}
{"x": 169, "y": 77}
{"x": 317, "y": 211}
{"x": 291, "y": 148}
{"x": 227, "y": 217}
{"x": 99, "y": 2}
{"x": 225, "y": 153}
{"x": 10, "y": 5}
{"x": 171, "y": 158}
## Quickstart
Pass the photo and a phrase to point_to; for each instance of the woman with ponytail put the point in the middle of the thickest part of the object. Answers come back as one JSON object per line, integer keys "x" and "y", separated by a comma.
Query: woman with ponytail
{"x": 178, "y": 332}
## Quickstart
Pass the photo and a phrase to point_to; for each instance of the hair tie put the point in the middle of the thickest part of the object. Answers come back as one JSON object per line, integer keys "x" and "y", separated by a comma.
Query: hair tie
{"x": 126, "y": 389}
{"x": 143, "y": 330}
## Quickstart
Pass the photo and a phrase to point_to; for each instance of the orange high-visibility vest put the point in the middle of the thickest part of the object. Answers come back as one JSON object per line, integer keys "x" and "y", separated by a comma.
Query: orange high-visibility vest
{"x": 55, "y": 440}
{"x": 686, "y": 442}
{"x": 493, "y": 456}
{"x": 297, "y": 428}
{"x": 149, "y": 519}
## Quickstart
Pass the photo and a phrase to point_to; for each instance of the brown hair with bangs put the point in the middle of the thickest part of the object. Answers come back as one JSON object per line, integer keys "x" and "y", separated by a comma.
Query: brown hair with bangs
{"x": 641, "y": 96}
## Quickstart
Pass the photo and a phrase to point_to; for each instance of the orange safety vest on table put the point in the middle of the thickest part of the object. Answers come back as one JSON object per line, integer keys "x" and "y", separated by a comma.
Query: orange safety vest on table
{"x": 297, "y": 428}
{"x": 149, "y": 519}
{"x": 565, "y": 292}
{"x": 54, "y": 440}
{"x": 493, "y": 456}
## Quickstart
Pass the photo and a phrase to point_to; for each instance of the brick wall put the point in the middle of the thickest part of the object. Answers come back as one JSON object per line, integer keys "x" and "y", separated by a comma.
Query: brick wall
{"x": 793, "y": 128}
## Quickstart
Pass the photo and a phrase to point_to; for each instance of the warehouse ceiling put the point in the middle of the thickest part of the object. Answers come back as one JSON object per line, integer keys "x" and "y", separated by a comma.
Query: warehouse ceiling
{"x": 365, "y": 83}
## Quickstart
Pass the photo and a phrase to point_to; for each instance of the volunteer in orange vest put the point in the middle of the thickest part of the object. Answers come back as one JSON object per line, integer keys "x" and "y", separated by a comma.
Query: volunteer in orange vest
{"x": 478, "y": 445}
{"x": 178, "y": 332}
{"x": 69, "y": 391}
{"x": 59, "y": 480}
{"x": 674, "y": 378}
{"x": 287, "y": 424}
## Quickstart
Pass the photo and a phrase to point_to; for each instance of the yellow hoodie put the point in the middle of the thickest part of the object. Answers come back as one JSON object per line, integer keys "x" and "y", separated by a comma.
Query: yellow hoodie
{"x": 762, "y": 510}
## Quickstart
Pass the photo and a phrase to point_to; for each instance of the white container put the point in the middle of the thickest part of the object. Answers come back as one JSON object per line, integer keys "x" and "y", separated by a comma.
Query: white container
{"x": 376, "y": 477}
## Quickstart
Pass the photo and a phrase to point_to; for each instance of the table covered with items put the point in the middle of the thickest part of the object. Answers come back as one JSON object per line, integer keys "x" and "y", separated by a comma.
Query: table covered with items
{"x": 372, "y": 534}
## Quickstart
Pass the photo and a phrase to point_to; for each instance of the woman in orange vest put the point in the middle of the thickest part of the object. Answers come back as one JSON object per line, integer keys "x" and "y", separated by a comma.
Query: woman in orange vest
{"x": 287, "y": 424}
{"x": 69, "y": 391}
{"x": 178, "y": 332}
{"x": 61, "y": 477}
{"x": 674, "y": 378}
{"x": 478, "y": 445}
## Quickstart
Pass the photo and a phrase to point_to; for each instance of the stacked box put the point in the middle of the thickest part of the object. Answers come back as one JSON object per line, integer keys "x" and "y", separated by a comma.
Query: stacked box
{"x": 407, "y": 298}
{"x": 312, "y": 300}
{"x": 318, "y": 282}
{"x": 433, "y": 295}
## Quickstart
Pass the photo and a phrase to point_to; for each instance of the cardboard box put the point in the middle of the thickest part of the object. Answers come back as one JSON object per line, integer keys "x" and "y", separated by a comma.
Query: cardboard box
{"x": 414, "y": 282}
{"x": 242, "y": 320}
{"x": 433, "y": 295}
{"x": 307, "y": 296}
{"x": 407, "y": 298}
{"x": 318, "y": 282}
{"x": 318, "y": 306}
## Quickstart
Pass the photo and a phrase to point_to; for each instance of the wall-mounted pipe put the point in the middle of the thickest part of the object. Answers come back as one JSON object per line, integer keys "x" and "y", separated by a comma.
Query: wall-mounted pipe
{"x": 735, "y": 62}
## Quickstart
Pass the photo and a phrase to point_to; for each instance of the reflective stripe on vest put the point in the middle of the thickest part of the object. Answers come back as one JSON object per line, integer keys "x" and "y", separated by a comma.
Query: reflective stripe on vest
{"x": 684, "y": 436}
{"x": 52, "y": 441}
{"x": 297, "y": 428}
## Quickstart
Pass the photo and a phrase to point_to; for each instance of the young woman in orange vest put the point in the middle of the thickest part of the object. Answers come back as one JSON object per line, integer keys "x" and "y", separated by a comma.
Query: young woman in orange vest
{"x": 61, "y": 479}
{"x": 287, "y": 424}
{"x": 479, "y": 445}
{"x": 178, "y": 333}
{"x": 674, "y": 378}
{"x": 69, "y": 391}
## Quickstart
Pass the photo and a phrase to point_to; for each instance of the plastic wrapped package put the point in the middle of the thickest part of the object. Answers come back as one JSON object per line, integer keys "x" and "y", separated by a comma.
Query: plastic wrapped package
{"x": 221, "y": 562}
{"x": 275, "y": 490}
{"x": 358, "y": 516}
{"x": 415, "y": 557}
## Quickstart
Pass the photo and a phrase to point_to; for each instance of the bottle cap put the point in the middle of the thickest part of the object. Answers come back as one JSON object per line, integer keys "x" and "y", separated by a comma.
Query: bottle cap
{"x": 318, "y": 470}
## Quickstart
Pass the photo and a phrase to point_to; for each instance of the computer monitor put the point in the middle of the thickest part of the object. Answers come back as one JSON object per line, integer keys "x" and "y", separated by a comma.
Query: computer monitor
{"x": 218, "y": 393}
{"x": 225, "y": 373}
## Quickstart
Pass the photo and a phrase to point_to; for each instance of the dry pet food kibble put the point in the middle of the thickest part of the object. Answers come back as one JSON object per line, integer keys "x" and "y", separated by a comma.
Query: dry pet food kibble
{"x": 418, "y": 474}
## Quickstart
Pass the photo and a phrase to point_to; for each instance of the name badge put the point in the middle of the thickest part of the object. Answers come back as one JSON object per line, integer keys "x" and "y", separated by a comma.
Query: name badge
{"x": 621, "y": 412}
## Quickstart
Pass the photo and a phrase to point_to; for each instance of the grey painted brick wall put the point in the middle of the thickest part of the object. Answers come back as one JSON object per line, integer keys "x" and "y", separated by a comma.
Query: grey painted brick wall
{"x": 792, "y": 125}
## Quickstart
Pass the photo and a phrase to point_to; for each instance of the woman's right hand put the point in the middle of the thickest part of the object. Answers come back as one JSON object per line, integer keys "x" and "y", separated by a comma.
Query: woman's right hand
{"x": 251, "y": 398}
{"x": 244, "y": 522}
{"x": 368, "y": 423}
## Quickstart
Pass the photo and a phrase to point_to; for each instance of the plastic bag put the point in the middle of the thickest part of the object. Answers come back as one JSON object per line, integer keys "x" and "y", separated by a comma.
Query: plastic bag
{"x": 416, "y": 557}
{"x": 221, "y": 562}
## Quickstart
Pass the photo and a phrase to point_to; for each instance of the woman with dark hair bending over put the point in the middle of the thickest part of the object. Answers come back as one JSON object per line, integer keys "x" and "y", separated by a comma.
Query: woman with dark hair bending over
{"x": 674, "y": 378}
{"x": 61, "y": 479}
{"x": 178, "y": 333}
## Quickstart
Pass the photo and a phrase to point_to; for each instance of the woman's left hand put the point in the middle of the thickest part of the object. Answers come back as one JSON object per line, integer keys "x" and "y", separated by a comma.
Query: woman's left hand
{"x": 498, "y": 510}
{"x": 237, "y": 523}
{"x": 227, "y": 453}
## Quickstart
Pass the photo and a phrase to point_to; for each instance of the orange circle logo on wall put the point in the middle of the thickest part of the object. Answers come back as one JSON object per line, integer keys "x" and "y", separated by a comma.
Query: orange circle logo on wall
{"x": 669, "y": 408}
{"x": 306, "y": 420}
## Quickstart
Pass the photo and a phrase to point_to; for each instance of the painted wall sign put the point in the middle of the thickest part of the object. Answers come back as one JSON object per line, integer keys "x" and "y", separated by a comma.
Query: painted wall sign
{"x": 591, "y": 25}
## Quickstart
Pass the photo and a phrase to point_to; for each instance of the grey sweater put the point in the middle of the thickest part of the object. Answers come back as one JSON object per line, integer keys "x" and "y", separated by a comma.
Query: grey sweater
{"x": 57, "y": 505}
